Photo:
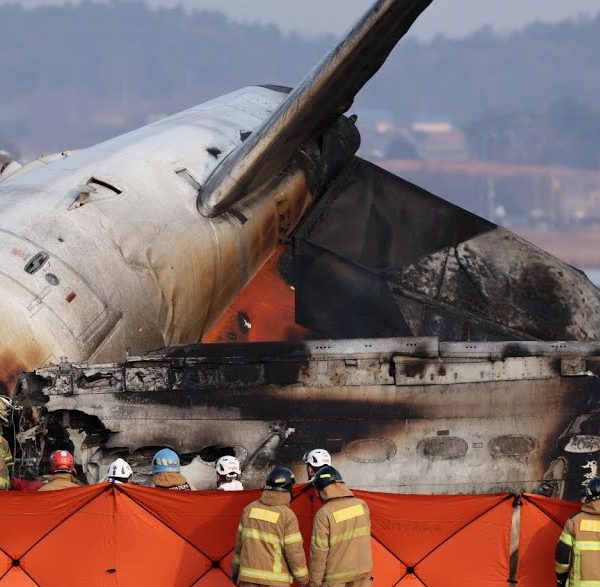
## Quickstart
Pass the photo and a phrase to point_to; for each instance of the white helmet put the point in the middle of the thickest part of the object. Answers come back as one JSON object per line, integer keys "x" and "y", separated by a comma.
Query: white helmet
{"x": 317, "y": 458}
{"x": 228, "y": 466}
{"x": 119, "y": 469}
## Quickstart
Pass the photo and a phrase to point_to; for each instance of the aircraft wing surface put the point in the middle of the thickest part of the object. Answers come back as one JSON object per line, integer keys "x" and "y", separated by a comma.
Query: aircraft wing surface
{"x": 324, "y": 94}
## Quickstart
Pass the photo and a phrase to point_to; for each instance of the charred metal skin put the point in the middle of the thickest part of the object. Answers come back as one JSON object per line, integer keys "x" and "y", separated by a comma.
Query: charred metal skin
{"x": 399, "y": 415}
{"x": 379, "y": 256}
{"x": 103, "y": 250}
{"x": 142, "y": 242}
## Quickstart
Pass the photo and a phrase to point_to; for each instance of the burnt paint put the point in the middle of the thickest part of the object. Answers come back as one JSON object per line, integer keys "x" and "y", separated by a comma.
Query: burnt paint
{"x": 414, "y": 370}
{"x": 541, "y": 295}
{"x": 221, "y": 351}
{"x": 442, "y": 448}
{"x": 514, "y": 349}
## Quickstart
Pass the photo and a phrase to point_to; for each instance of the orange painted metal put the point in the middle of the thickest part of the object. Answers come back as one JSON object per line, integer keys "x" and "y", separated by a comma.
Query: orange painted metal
{"x": 263, "y": 312}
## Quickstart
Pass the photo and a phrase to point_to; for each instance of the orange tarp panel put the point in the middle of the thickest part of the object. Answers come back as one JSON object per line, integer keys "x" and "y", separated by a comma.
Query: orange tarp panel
{"x": 210, "y": 526}
{"x": 428, "y": 536}
{"x": 542, "y": 520}
{"x": 127, "y": 535}
{"x": 5, "y": 563}
{"x": 26, "y": 517}
{"x": 17, "y": 578}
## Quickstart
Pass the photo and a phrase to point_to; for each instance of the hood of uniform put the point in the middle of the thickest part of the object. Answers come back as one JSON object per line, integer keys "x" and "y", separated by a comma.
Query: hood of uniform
{"x": 335, "y": 490}
{"x": 592, "y": 507}
{"x": 269, "y": 497}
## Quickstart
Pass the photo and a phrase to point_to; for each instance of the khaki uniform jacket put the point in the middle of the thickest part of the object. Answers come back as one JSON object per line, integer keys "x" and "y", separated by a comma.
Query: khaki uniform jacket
{"x": 60, "y": 481}
{"x": 340, "y": 549}
{"x": 268, "y": 548}
{"x": 5, "y": 460}
{"x": 582, "y": 536}
{"x": 174, "y": 481}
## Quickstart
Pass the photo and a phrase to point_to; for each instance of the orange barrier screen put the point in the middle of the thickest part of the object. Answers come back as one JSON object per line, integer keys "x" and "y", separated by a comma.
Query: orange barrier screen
{"x": 128, "y": 535}
{"x": 542, "y": 521}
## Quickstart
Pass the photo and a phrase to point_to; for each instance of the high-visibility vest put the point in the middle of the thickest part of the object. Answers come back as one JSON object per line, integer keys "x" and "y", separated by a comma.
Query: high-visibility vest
{"x": 341, "y": 538}
{"x": 269, "y": 544}
{"x": 581, "y": 538}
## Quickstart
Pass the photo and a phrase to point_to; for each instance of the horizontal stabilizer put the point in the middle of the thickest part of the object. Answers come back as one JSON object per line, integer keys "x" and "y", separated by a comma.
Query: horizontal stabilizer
{"x": 325, "y": 93}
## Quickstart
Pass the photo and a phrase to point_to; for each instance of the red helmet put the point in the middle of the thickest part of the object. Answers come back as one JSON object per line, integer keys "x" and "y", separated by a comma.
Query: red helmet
{"x": 61, "y": 461}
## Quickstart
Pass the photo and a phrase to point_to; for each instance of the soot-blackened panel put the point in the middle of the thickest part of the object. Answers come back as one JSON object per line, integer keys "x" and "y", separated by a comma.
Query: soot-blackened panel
{"x": 339, "y": 299}
{"x": 371, "y": 226}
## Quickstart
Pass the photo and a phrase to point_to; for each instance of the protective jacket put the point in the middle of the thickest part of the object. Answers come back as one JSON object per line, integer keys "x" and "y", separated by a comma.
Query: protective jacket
{"x": 174, "y": 481}
{"x": 60, "y": 481}
{"x": 340, "y": 549}
{"x": 5, "y": 460}
{"x": 268, "y": 548}
{"x": 578, "y": 548}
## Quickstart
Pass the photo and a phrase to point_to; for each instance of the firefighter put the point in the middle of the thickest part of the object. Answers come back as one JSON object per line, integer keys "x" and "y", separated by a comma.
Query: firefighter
{"x": 62, "y": 467}
{"x": 228, "y": 474}
{"x": 578, "y": 549}
{"x": 166, "y": 471}
{"x": 340, "y": 549}
{"x": 119, "y": 472}
{"x": 268, "y": 549}
{"x": 315, "y": 459}
{"x": 5, "y": 454}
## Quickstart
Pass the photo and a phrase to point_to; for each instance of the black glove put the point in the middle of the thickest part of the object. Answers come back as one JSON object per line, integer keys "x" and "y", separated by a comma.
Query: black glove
{"x": 561, "y": 580}
{"x": 234, "y": 578}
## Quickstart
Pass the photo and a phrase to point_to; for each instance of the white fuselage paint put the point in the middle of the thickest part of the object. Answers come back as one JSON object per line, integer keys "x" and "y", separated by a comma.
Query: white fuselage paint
{"x": 134, "y": 270}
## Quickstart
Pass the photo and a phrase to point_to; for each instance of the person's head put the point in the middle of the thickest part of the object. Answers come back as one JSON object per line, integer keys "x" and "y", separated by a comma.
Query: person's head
{"x": 280, "y": 479}
{"x": 315, "y": 459}
{"x": 166, "y": 461}
{"x": 119, "y": 471}
{"x": 228, "y": 469}
{"x": 325, "y": 477}
{"x": 591, "y": 490}
{"x": 62, "y": 461}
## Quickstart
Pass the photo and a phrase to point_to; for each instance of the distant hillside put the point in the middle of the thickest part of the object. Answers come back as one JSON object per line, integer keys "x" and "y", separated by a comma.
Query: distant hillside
{"x": 73, "y": 75}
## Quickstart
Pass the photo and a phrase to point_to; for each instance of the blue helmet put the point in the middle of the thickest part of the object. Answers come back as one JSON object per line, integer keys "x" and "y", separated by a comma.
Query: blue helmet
{"x": 166, "y": 461}
{"x": 326, "y": 476}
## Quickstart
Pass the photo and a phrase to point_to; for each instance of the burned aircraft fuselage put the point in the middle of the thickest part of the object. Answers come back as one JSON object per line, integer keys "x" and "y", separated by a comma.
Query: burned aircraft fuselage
{"x": 103, "y": 249}
{"x": 144, "y": 240}
{"x": 398, "y": 415}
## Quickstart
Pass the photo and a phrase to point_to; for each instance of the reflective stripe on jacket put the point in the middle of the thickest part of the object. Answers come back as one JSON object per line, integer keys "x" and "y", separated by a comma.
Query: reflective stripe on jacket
{"x": 5, "y": 460}
{"x": 578, "y": 549}
{"x": 268, "y": 549}
{"x": 340, "y": 550}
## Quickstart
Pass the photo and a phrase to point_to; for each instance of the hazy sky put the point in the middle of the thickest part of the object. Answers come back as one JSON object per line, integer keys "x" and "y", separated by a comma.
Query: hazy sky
{"x": 450, "y": 17}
